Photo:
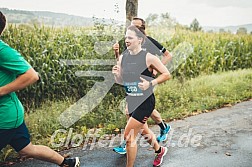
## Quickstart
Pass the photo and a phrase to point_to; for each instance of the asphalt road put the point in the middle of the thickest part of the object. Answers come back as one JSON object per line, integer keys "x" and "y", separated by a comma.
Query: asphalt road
{"x": 221, "y": 138}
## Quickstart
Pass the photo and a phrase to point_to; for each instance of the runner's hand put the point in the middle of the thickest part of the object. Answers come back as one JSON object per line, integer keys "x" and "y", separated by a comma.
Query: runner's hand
{"x": 116, "y": 70}
{"x": 116, "y": 47}
{"x": 144, "y": 84}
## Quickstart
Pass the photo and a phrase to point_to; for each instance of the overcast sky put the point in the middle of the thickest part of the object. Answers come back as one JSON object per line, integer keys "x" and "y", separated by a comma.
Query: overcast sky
{"x": 207, "y": 12}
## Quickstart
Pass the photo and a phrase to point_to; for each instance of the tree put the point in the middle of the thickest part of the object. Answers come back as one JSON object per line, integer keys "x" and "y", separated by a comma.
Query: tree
{"x": 195, "y": 26}
{"x": 222, "y": 30}
{"x": 241, "y": 30}
{"x": 166, "y": 16}
{"x": 167, "y": 20}
{"x": 151, "y": 19}
{"x": 131, "y": 10}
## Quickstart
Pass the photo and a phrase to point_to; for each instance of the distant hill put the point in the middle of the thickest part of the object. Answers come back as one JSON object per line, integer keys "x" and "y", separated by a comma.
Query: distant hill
{"x": 232, "y": 29}
{"x": 62, "y": 19}
{"x": 49, "y": 18}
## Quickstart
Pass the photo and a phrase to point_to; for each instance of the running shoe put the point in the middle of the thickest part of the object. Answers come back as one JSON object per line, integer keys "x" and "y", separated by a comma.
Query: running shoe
{"x": 160, "y": 156}
{"x": 164, "y": 133}
{"x": 71, "y": 162}
{"x": 120, "y": 149}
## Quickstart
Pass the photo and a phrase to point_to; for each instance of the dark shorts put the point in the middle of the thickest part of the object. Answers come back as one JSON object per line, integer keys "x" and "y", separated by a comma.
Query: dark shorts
{"x": 141, "y": 111}
{"x": 18, "y": 138}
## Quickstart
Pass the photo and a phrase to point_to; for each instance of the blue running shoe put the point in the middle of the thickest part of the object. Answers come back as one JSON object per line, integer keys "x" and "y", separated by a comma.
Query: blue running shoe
{"x": 164, "y": 133}
{"x": 120, "y": 149}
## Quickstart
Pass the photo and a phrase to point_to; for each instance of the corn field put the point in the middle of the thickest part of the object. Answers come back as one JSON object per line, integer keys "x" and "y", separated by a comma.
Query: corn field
{"x": 43, "y": 47}
{"x": 213, "y": 52}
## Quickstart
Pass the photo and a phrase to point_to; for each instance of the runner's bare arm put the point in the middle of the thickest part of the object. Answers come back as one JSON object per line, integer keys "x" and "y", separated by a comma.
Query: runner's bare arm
{"x": 166, "y": 57}
{"x": 155, "y": 63}
{"x": 24, "y": 80}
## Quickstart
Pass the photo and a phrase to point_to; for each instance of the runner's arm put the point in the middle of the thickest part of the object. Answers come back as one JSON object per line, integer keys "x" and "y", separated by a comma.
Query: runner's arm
{"x": 22, "y": 81}
{"x": 116, "y": 70}
{"x": 155, "y": 63}
{"x": 116, "y": 48}
{"x": 166, "y": 55}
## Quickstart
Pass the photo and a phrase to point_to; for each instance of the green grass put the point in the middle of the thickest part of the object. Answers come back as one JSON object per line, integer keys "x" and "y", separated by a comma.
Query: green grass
{"x": 176, "y": 99}
{"x": 42, "y": 122}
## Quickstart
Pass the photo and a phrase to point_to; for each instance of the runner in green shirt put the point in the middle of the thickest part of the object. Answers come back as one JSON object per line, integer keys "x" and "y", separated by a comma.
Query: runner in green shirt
{"x": 12, "y": 65}
{"x": 16, "y": 74}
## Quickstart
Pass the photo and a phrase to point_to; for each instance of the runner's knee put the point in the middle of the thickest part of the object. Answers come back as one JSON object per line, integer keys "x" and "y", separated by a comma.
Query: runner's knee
{"x": 129, "y": 138}
{"x": 28, "y": 151}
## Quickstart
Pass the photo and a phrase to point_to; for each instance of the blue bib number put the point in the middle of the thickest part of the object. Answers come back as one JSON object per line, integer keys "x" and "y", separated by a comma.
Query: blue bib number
{"x": 132, "y": 89}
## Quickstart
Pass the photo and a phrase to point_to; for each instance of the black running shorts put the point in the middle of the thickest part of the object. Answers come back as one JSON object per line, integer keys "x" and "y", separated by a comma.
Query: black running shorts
{"x": 18, "y": 137}
{"x": 139, "y": 108}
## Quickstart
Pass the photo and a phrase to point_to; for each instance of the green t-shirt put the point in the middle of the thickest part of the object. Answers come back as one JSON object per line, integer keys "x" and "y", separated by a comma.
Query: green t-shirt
{"x": 12, "y": 64}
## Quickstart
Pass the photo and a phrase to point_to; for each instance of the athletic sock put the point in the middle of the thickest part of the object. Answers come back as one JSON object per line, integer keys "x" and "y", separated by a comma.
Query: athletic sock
{"x": 123, "y": 143}
{"x": 162, "y": 125}
{"x": 158, "y": 151}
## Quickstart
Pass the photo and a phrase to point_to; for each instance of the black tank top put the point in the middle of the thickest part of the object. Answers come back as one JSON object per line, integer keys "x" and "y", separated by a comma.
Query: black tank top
{"x": 134, "y": 67}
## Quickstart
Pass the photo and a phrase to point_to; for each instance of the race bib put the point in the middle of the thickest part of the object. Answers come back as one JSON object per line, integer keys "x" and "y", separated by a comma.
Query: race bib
{"x": 132, "y": 89}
